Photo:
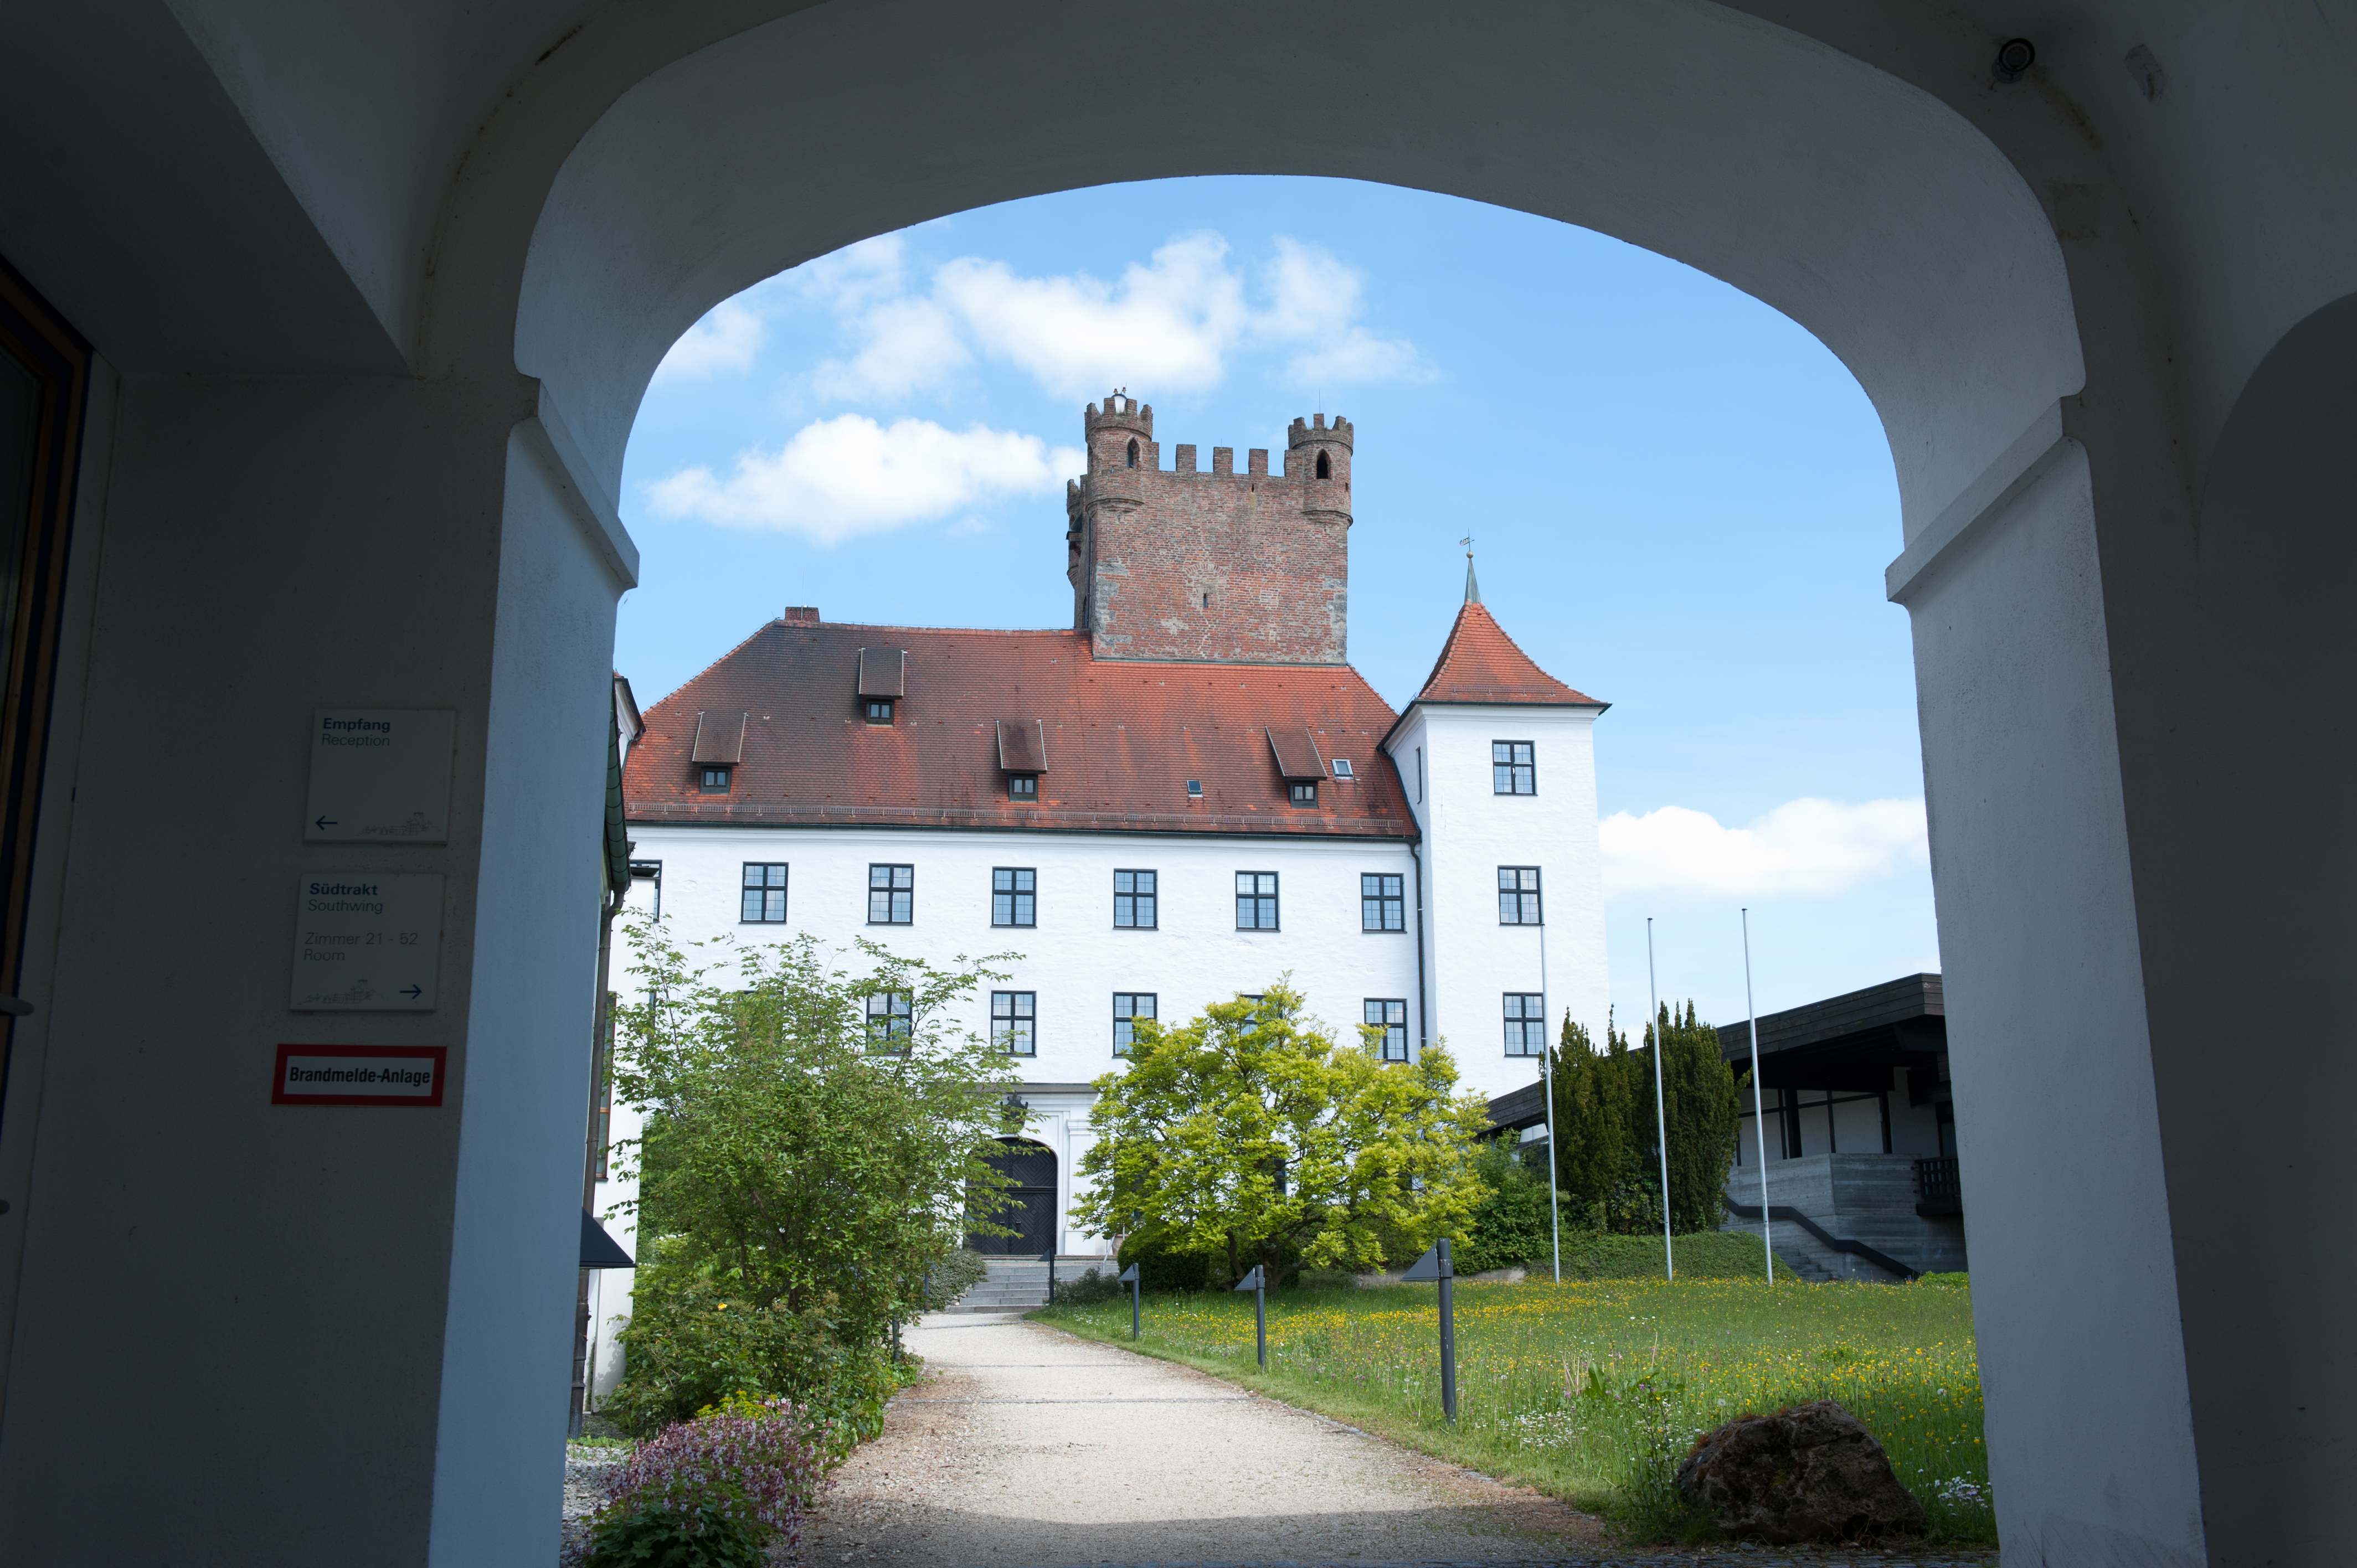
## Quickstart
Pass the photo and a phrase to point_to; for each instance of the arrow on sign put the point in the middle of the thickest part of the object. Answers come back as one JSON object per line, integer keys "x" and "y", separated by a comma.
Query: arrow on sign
{"x": 414, "y": 990}
{"x": 323, "y": 824}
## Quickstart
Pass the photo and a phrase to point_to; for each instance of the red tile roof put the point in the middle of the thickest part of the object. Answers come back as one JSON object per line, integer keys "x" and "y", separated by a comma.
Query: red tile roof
{"x": 1122, "y": 738}
{"x": 1479, "y": 663}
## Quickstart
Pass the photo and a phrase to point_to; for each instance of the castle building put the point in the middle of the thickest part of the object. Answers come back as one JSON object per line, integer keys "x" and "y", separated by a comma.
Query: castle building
{"x": 1185, "y": 795}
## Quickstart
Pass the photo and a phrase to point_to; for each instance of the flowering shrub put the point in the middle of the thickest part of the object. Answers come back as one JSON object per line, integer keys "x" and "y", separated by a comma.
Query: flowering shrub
{"x": 701, "y": 1491}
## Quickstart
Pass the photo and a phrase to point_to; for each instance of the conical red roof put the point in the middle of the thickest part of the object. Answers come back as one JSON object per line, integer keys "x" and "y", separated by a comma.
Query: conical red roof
{"x": 1479, "y": 663}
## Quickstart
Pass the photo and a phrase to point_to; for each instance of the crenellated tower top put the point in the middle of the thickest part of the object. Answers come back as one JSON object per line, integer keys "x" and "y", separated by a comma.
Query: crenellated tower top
{"x": 1180, "y": 563}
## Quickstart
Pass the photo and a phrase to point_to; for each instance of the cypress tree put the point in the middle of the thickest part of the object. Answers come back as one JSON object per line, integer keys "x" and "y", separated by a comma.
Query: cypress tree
{"x": 1699, "y": 1092}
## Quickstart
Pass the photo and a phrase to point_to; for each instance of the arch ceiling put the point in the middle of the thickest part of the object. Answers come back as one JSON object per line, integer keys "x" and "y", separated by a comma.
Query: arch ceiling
{"x": 1853, "y": 202}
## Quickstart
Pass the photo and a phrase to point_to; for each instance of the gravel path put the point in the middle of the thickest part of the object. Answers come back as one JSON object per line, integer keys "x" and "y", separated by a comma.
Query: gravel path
{"x": 1029, "y": 1448}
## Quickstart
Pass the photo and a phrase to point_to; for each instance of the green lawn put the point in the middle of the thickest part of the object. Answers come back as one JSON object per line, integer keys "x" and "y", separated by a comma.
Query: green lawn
{"x": 1594, "y": 1390}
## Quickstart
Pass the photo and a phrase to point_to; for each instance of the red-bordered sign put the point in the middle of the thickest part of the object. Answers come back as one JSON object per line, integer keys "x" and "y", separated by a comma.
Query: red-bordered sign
{"x": 359, "y": 1075}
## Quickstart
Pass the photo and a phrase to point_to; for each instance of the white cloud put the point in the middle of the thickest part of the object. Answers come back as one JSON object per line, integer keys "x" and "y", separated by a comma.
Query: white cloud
{"x": 849, "y": 476}
{"x": 728, "y": 338}
{"x": 912, "y": 344}
{"x": 1805, "y": 847}
{"x": 1171, "y": 323}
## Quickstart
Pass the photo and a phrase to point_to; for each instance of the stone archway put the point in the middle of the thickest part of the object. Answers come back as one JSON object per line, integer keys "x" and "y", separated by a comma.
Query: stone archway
{"x": 374, "y": 300}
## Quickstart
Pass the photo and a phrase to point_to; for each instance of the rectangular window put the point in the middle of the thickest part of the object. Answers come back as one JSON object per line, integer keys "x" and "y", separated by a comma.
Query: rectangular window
{"x": 1305, "y": 794}
{"x": 1389, "y": 1014}
{"x": 1381, "y": 905}
{"x": 1135, "y": 906}
{"x": 712, "y": 781}
{"x": 1023, "y": 787}
{"x": 1525, "y": 1024}
{"x": 889, "y": 1023}
{"x": 1013, "y": 1022}
{"x": 891, "y": 895}
{"x": 1012, "y": 895}
{"x": 1255, "y": 900}
{"x": 1513, "y": 771}
{"x": 765, "y": 892}
{"x": 1128, "y": 1007}
{"x": 879, "y": 710}
{"x": 1518, "y": 895}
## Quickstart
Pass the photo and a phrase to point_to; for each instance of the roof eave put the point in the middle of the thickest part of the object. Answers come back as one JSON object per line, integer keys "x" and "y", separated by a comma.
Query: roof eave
{"x": 1385, "y": 744}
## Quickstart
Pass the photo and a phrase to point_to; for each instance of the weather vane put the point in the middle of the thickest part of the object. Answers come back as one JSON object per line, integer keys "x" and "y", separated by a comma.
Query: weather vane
{"x": 1468, "y": 543}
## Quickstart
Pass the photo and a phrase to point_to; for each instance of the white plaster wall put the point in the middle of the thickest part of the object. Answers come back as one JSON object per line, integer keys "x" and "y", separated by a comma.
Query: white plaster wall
{"x": 2051, "y": 1053}
{"x": 1074, "y": 960}
{"x": 1469, "y": 831}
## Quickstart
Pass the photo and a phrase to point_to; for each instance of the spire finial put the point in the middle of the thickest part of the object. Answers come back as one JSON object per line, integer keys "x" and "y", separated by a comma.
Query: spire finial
{"x": 1472, "y": 587}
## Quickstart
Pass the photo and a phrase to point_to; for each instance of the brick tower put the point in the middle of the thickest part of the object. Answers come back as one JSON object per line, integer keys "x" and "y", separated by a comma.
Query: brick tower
{"x": 1216, "y": 567}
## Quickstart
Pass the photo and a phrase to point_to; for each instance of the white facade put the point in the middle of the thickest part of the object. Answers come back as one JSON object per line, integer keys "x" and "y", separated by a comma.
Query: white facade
{"x": 1470, "y": 829}
{"x": 1074, "y": 960}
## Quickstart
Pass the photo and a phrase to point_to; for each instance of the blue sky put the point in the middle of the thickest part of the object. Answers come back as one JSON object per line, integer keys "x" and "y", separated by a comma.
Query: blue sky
{"x": 1681, "y": 504}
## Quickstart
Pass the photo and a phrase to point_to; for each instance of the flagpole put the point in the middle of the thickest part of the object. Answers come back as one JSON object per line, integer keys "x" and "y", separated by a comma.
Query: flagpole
{"x": 1547, "y": 1078}
{"x": 1661, "y": 1113}
{"x": 1759, "y": 1117}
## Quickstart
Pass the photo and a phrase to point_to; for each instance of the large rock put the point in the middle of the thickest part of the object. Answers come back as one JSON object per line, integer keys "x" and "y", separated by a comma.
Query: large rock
{"x": 1810, "y": 1473}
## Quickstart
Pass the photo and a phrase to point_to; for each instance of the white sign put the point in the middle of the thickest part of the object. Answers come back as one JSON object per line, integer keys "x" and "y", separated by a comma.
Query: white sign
{"x": 359, "y": 1075}
{"x": 381, "y": 774}
{"x": 364, "y": 940}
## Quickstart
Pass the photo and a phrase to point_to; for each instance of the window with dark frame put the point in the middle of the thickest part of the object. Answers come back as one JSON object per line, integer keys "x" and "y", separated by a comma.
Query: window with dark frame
{"x": 1525, "y": 1024}
{"x": 879, "y": 710}
{"x": 1513, "y": 769}
{"x": 1128, "y": 1007}
{"x": 1256, "y": 901}
{"x": 889, "y": 1024}
{"x": 1305, "y": 793}
{"x": 1014, "y": 1021}
{"x": 1013, "y": 896}
{"x": 891, "y": 895}
{"x": 712, "y": 781}
{"x": 1518, "y": 896}
{"x": 1023, "y": 787}
{"x": 1136, "y": 905}
{"x": 1389, "y": 1014}
{"x": 765, "y": 892}
{"x": 1383, "y": 904}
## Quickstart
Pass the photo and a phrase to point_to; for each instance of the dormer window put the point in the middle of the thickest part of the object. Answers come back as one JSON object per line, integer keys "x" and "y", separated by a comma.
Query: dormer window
{"x": 712, "y": 780}
{"x": 1305, "y": 794}
{"x": 879, "y": 710}
{"x": 1023, "y": 788}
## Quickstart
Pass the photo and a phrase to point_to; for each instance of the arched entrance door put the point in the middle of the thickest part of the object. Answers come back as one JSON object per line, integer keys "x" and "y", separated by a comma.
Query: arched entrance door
{"x": 1032, "y": 1215}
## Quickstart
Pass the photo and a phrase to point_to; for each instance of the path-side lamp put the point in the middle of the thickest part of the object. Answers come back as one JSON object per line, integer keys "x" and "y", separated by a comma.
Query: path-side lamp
{"x": 1129, "y": 1278}
{"x": 1253, "y": 1283}
{"x": 1434, "y": 1265}
{"x": 1048, "y": 1257}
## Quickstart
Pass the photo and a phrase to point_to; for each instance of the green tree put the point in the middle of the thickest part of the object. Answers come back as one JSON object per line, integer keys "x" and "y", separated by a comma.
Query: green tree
{"x": 1699, "y": 1095}
{"x": 1248, "y": 1131}
{"x": 797, "y": 1170}
{"x": 1510, "y": 1226}
{"x": 1594, "y": 1115}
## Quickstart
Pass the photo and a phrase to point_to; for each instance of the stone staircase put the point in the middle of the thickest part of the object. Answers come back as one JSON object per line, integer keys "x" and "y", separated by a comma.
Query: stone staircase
{"x": 1018, "y": 1285}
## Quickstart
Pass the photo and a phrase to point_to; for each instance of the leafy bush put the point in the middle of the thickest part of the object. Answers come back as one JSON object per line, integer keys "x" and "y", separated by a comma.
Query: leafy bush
{"x": 713, "y": 1492}
{"x": 696, "y": 1337}
{"x": 1089, "y": 1289}
{"x": 1159, "y": 1268}
{"x": 1511, "y": 1224}
{"x": 670, "y": 1537}
{"x": 952, "y": 1277}
{"x": 804, "y": 1184}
